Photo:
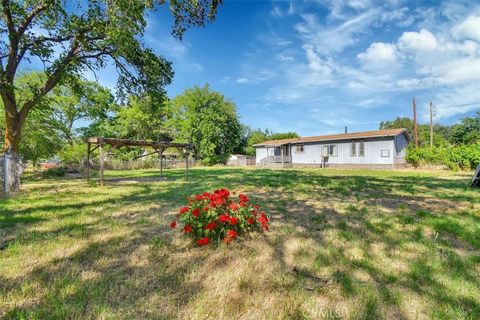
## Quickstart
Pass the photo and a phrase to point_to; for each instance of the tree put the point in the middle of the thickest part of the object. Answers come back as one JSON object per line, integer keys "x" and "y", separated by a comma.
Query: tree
{"x": 209, "y": 121}
{"x": 41, "y": 139}
{"x": 70, "y": 41}
{"x": 142, "y": 118}
{"x": 49, "y": 128}
{"x": 258, "y": 136}
{"x": 466, "y": 132}
{"x": 78, "y": 100}
{"x": 440, "y": 131}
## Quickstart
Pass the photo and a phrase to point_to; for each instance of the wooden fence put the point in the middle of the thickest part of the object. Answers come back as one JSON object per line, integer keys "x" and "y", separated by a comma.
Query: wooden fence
{"x": 242, "y": 162}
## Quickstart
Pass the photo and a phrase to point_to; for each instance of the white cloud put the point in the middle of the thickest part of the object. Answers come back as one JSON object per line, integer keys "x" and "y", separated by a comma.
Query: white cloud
{"x": 320, "y": 70}
{"x": 331, "y": 39}
{"x": 455, "y": 72}
{"x": 315, "y": 63}
{"x": 242, "y": 80}
{"x": 276, "y": 12}
{"x": 422, "y": 41}
{"x": 459, "y": 100}
{"x": 468, "y": 29}
{"x": 284, "y": 57}
{"x": 379, "y": 53}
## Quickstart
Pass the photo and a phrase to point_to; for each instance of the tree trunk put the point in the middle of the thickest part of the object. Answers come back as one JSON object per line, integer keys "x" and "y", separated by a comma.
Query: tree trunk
{"x": 13, "y": 128}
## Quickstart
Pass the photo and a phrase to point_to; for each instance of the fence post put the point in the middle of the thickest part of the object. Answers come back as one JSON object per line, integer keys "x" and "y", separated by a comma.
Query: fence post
{"x": 5, "y": 188}
{"x": 6, "y": 174}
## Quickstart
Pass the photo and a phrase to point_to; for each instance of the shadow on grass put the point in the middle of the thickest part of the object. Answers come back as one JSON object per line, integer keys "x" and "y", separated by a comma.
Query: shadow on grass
{"x": 102, "y": 278}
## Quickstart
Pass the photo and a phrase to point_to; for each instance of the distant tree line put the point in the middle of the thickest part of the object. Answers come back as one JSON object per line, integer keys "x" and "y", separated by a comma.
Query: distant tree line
{"x": 456, "y": 146}
{"x": 78, "y": 109}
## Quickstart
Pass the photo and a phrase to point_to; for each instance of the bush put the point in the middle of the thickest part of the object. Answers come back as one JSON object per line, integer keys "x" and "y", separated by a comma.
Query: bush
{"x": 215, "y": 217}
{"x": 54, "y": 172}
{"x": 461, "y": 157}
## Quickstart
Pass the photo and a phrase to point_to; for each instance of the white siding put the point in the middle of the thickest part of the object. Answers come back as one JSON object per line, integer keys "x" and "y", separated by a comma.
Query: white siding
{"x": 313, "y": 152}
{"x": 262, "y": 152}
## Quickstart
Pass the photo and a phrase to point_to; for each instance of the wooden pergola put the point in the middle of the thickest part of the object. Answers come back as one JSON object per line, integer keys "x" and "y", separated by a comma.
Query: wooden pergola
{"x": 158, "y": 146}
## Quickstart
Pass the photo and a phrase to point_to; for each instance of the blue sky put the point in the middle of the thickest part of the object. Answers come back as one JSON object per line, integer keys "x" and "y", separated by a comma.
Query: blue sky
{"x": 315, "y": 66}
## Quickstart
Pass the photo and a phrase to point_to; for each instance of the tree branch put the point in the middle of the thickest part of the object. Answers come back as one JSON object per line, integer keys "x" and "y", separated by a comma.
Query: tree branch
{"x": 36, "y": 11}
{"x": 52, "y": 80}
{"x": 7, "y": 14}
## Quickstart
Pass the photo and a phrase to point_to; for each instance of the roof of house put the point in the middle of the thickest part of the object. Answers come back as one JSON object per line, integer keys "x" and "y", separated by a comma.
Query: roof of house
{"x": 331, "y": 137}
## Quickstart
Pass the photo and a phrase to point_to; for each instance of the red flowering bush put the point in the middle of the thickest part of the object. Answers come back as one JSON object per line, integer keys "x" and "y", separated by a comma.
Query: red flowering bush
{"x": 217, "y": 216}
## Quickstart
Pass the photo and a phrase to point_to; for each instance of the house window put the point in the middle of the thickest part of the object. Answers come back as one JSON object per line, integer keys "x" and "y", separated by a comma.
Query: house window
{"x": 361, "y": 149}
{"x": 329, "y": 150}
{"x": 299, "y": 148}
{"x": 353, "y": 149}
{"x": 385, "y": 153}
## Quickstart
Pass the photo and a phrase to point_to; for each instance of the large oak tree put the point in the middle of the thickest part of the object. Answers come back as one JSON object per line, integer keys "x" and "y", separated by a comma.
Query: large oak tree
{"x": 70, "y": 37}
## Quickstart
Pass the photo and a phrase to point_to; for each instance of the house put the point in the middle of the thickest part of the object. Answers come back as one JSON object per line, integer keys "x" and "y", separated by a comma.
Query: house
{"x": 369, "y": 149}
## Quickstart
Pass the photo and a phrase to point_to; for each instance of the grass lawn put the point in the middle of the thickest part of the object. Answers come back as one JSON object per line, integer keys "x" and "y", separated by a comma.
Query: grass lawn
{"x": 344, "y": 244}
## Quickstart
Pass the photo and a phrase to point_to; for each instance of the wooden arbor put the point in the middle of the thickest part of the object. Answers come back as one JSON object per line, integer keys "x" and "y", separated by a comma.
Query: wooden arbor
{"x": 158, "y": 146}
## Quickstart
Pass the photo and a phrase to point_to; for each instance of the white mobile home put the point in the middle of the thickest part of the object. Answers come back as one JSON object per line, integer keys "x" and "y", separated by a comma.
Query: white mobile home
{"x": 370, "y": 149}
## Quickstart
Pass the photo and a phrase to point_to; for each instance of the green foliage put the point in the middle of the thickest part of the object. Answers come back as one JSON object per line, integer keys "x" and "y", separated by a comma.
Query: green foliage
{"x": 461, "y": 157}
{"x": 258, "y": 136}
{"x": 440, "y": 137}
{"x": 50, "y": 129}
{"x": 78, "y": 100}
{"x": 466, "y": 132}
{"x": 142, "y": 118}
{"x": 209, "y": 121}
{"x": 73, "y": 153}
{"x": 54, "y": 172}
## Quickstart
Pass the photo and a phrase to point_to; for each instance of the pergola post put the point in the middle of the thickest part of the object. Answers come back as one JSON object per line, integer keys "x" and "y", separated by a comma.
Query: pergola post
{"x": 161, "y": 161}
{"x": 88, "y": 161}
{"x": 283, "y": 161}
{"x": 186, "y": 164}
{"x": 100, "y": 148}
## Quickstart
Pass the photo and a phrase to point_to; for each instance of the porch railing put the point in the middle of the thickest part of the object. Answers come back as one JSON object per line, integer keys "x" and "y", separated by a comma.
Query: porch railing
{"x": 276, "y": 159}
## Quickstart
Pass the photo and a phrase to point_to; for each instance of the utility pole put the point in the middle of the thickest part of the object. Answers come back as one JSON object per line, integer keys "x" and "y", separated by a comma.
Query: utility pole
{"x": 431, "y": 124}
{"x": 415, "y": 129}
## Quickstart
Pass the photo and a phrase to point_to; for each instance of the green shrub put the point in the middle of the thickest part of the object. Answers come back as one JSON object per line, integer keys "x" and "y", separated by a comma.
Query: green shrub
{"x": 461, "y": 157}
{"x": 54, "y": 172}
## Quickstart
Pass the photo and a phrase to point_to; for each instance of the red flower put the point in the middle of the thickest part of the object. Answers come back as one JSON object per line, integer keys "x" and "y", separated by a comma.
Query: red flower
{"x": 233, "y": 206}
{"x": 243, "y": 198}
{"x": 206, "y": 209}
{"x": 263, "y": 220}
{"x": 198, "y": 197}
{"x": 203, "y": 241}
{"x": 173, "y": 224}
{"x": 196, "y": 212}
{"x": 250, "y": 221}
{"x": 187, "y": 228}
{"x": 223, "y": 218}
{"x": 232, "y": 220}
{"x": 210, "y": 226}
{"x": 231, "y": 234}
{"x": 184, "y": 210}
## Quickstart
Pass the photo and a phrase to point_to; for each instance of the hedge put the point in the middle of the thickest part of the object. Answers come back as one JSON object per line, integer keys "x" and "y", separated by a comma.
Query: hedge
{"x": 461, "y": 157}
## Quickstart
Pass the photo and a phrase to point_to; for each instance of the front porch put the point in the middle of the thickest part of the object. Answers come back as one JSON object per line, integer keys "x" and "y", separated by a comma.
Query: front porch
{"x": 278, "y": 156}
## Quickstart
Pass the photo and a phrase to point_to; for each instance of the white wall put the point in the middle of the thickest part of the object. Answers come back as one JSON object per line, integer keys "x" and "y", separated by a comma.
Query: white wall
{"x": 262, "y": 152}
{"x": 313, "y": 152}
